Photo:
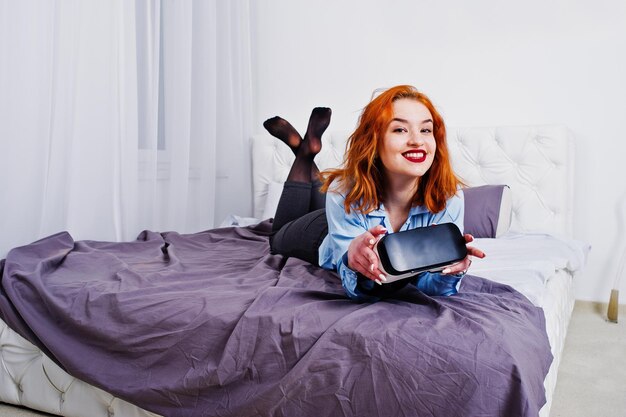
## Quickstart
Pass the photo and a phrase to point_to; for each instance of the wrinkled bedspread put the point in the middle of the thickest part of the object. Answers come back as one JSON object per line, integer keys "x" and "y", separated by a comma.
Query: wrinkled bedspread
{"x": 211, "y": 324}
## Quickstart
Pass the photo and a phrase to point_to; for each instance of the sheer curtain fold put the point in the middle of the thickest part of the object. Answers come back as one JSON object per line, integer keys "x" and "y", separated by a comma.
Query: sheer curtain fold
{"x": 126, "y": 122}
{"x": 177, "y": 53}
{"x": 235, "y": 107}
{"x": 110, "y": 120}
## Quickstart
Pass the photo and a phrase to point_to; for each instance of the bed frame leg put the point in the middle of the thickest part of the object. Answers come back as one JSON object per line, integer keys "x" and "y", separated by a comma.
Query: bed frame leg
{"x": 613, "y": 306}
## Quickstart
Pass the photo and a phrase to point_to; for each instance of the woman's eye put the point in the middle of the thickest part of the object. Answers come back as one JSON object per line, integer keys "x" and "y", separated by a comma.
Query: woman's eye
{"x": 399, "y": 129}
{"x": 427, "y": 130}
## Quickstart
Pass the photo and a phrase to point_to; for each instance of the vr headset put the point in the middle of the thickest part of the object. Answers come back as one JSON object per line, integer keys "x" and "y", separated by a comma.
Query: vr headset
{"x": 431, "y": 248}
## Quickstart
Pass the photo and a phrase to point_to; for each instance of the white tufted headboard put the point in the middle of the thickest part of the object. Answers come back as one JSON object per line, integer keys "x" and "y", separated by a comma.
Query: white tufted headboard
{"x": 537, "y": 162}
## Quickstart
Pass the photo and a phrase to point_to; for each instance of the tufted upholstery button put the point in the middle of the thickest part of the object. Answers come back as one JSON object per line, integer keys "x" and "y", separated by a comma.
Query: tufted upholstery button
{"x": 28, "y": 377}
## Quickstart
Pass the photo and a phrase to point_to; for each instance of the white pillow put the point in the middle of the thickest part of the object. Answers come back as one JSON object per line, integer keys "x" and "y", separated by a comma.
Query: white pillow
{"x": 274, "y": 191}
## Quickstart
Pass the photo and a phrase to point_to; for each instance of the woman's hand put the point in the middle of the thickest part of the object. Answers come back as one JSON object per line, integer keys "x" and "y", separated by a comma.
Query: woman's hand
{"x": 463, "y": 266}
{"x": 361, "y": 255}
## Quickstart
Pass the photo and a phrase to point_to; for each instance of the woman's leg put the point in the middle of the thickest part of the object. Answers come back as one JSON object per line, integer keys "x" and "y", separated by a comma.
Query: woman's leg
{"x": 302, "y": 237}
{"x": 318, "y": 199}
{"x": 298, "y": 230}
{"x": 283, "y": 130}
{"x": 296, "y": 198}
{"x": 294, "y": 203}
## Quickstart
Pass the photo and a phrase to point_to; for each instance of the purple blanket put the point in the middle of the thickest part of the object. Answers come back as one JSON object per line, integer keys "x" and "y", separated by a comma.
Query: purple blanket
{"x": 211, "y": 324}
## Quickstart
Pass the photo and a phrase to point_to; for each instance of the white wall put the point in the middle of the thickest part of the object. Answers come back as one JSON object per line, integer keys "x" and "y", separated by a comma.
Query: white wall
{"x": 484, "y": 62}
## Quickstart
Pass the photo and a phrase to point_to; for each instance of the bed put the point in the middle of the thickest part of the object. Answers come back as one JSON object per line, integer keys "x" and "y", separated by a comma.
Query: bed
{"x": 297, "y": 344}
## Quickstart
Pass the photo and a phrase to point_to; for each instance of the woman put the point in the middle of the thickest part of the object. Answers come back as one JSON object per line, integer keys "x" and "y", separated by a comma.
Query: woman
{"x": 396, "y": 176}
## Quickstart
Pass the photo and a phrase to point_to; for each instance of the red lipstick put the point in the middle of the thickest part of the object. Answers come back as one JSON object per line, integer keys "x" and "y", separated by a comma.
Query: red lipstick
{"x": 415, "y": 156}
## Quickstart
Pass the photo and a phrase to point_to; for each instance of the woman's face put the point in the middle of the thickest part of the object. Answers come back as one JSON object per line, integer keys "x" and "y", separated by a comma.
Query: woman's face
{"x": 408, "y": 147}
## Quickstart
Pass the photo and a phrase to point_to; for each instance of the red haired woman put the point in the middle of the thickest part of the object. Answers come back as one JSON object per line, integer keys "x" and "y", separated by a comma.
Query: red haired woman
{"x": 396, "y": 176}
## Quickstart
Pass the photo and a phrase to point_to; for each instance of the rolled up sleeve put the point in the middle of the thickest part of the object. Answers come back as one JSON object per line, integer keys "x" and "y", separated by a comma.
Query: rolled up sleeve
{"x": 342, "y": 229}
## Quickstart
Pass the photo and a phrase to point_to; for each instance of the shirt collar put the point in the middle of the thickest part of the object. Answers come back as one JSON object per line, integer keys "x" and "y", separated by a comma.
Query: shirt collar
{"x": 380, "y": 211}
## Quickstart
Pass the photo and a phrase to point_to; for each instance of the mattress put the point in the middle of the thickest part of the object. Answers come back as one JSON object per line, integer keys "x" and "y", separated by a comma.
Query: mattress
{"x": 558, "y": 308}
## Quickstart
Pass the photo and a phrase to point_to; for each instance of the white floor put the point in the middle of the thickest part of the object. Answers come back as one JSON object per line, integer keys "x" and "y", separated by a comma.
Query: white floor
{"x": 592, "y": 375}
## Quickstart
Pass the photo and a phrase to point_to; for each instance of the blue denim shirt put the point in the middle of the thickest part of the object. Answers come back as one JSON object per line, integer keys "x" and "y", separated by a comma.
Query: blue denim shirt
{"x": 342, "y": 228}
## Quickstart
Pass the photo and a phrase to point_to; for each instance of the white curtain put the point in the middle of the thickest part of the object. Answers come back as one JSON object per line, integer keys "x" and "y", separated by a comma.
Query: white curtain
{"x": 110, "y": 113}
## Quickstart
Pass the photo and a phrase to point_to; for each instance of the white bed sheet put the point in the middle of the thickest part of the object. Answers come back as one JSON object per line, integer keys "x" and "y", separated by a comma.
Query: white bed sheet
{"x": 526, "y": 261}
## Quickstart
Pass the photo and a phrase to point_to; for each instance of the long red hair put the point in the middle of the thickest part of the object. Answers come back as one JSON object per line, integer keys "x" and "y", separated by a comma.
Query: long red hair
{"x": 361, "y": 176}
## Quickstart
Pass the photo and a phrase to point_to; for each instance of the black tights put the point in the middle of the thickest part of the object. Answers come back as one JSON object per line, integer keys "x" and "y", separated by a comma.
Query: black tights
{"x": 300, "y": 222}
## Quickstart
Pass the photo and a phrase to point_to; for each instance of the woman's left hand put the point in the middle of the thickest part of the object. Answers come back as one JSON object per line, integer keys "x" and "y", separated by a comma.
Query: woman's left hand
{"x": 463, "y": 266}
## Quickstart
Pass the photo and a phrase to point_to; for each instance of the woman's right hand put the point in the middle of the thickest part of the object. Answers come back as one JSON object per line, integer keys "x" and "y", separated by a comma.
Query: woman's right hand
{"x": 361, "y": 255}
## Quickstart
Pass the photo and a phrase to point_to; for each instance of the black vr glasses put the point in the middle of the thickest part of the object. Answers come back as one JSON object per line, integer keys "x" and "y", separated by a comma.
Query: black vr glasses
{"x": 431, "y": 248}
